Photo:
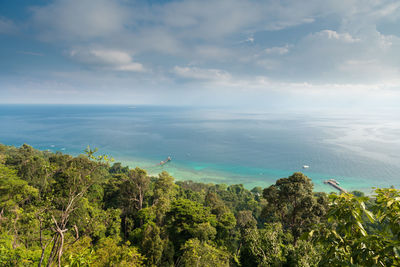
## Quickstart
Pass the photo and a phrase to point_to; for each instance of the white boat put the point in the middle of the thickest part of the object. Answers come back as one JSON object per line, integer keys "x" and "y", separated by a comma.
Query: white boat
{"x": 306, "y": 166}
{"x": 165, "y": 161}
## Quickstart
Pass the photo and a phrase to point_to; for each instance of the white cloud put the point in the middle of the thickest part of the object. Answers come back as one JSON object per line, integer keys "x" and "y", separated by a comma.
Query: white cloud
{"x": 250, "y": 39}
{"x": 131, "y": 67}
{"x": 370, "y": 70}
{"x": 108, "y": 59}
{"x": 202, "y": 74}
{"x": 337, "y": 56}
{"x": 208, "y": 19}
{"x": 388, "y": 10}
{"x": 80, "y": 19}
{"x": 279, "y": 50}
{"x": 333, "y": 35}
{"x": 213, "y": 52}
{"x": 219, "y": 35}
{"x": 154, "y": 39}
{"x": 187, "y": 19}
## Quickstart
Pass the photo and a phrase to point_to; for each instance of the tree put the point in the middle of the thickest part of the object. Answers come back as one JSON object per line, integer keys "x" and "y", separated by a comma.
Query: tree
{"x": 109, "y": 253}
{"x": 134, "y": 188}
{"x": 263, "y": 247}
{"x": 226, "y": 221}
{"x": 345, "y": 238}
{"x": 199, "y": 254}
{"x": 72, "y": 183}
{"x": 187, "y": 219}
{"x": 152, "y": 245}
{"x": 164, "y": 193}
{"x": 245, "y": 220}
{"x": 117, "y": 168}
{"x": 15, "y": 193}
{"x": 291, "y": 202}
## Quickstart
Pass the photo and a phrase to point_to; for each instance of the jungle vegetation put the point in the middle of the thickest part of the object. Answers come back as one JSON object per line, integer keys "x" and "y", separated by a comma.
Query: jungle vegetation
{"x": 60, "y": 210}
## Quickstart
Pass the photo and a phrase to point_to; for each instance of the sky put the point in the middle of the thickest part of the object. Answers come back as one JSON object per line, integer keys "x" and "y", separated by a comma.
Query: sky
{"x": 270, "y": 53}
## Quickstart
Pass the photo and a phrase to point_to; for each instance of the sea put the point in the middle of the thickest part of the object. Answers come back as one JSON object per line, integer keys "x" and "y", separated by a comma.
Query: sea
{"x": 361, "y": 150}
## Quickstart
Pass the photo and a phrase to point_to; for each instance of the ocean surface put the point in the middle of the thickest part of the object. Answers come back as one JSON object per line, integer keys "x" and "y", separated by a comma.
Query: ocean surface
{"x": 216, "y": 145}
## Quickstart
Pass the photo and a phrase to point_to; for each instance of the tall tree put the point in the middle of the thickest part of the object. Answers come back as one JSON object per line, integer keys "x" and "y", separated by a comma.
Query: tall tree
{"x": 263, "y": 247}
{"x": 134, "y": 188}
{"x": 187, "y": 219}
{"x": 291, "y": 202}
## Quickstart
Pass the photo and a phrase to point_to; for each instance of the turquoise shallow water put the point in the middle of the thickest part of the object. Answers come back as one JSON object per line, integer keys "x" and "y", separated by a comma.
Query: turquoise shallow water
{"x": 219, "y": 145}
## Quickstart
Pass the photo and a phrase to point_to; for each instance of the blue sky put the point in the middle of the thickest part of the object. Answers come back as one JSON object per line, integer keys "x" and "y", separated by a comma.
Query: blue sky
{"x": 340, "y": 53}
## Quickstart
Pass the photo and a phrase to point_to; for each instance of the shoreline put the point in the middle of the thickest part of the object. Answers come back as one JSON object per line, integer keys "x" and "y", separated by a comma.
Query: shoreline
{"x": 204, "y": 172}
{"x": 209, "y": 175}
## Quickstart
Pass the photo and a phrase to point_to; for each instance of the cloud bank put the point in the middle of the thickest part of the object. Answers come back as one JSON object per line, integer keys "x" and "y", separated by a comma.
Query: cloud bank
{"x": 154, "y": 51}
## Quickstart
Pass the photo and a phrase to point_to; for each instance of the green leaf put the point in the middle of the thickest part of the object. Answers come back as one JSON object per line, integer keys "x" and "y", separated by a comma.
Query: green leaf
{"x": 370, "y": 215}
{"x": 361, "y": 228}
{"x": 396, "y": 251}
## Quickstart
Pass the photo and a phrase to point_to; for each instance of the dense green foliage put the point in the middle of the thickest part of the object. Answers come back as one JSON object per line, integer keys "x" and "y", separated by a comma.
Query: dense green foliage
{"x": 59, "y": 210}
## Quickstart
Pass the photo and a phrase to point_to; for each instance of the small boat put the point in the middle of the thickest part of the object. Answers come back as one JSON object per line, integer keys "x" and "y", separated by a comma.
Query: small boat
{"x": 165, "y": 161}
{"x": 306, "y": 166}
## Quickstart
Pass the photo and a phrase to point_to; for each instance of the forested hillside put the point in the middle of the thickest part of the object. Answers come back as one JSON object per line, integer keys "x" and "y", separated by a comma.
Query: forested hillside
{"x": 60, "y": 210}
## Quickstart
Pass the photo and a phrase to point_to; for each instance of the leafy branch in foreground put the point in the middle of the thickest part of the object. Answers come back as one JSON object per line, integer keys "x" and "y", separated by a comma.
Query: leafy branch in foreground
{"x": 361, "y": 231}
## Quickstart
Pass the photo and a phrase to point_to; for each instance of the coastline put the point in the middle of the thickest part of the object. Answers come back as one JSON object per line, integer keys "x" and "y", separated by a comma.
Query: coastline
{"x": 205, "y": 173}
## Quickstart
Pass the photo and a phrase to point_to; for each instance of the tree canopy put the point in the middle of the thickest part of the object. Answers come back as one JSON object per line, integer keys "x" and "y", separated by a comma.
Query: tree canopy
{"x": 60, "y": 210}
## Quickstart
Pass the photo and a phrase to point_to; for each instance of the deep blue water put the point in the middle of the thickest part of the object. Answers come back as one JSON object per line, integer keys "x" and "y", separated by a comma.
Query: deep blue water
{"x": 218, "y": 145}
